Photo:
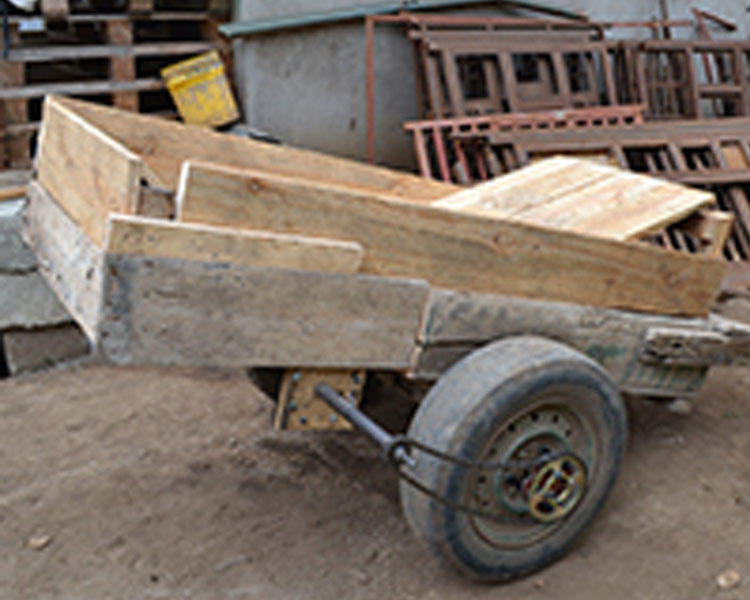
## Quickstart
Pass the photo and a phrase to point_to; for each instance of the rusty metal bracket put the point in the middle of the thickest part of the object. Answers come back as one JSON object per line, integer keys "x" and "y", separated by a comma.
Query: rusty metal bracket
{"x": 299, "y": 408}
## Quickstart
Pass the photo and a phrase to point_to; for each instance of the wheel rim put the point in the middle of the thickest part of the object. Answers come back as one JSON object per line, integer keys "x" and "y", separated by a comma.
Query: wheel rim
{"x": 547, "y": 427}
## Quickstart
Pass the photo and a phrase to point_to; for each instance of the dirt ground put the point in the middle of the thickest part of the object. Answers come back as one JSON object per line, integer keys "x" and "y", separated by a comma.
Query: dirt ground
{"x": 169, "y": 483}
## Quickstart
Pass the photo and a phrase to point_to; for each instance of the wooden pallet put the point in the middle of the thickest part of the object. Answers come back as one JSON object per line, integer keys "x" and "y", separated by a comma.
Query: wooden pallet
{"x": 689, "y": 78}
{"x": 500, "y": 72}
{"x": 441, "y": 154}
{"x": 111, "y": 57}
{"x": 463, "y": 72}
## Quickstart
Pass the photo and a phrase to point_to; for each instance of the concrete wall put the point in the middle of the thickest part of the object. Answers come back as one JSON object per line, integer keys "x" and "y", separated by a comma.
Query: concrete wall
{"x": 308, "y": 86}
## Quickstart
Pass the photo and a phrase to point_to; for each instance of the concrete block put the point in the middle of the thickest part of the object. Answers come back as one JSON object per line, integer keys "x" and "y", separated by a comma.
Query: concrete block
{"x": 41, "y": 348}
{"x": 26, "y": 301}
{"x": 15, "y": 256}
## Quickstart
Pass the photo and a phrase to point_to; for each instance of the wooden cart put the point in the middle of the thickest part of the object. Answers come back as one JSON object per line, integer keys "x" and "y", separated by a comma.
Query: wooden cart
{"x": 178, "y": 245}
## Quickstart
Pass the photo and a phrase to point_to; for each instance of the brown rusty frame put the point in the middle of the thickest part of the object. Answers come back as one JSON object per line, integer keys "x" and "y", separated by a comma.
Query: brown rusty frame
{"x": 427, "y": 21}
{"x": 432, "y": 138}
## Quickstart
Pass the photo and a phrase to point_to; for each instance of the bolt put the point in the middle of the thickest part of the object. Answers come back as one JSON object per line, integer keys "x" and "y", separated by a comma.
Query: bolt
{"x": 333, "y": 418}
{"x": 292, "y": 406}
{"x": 296, "y": 377}
{"x": 303, "y": 420}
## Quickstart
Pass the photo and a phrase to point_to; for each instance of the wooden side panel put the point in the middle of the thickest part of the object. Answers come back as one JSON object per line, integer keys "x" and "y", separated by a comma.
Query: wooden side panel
{"x": 188, "y": 241}
{"x": 164, "y": 145}
{"x": 88, "y": 173}
{"x": 456, "y": 250}
{"x": 176, "y": 312}
{"x": 69, "y": 261}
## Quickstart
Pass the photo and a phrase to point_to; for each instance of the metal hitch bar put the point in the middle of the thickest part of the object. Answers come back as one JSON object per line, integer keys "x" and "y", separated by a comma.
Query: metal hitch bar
{"x": 394, "y": 447}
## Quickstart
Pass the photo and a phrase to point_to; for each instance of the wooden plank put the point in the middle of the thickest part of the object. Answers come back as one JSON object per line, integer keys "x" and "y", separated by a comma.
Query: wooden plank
{"x": 11, "y": 193}
{"x": 527, "y": 188}
{"x": 123, "y": 49}
{"x": 179, "y": 15}
{"x": 452, "y": 249}
{"x": 582, "y": 196}
{"x": 15, "y": 178}
{"x": 177, "y": 312}
{"x": 189, "y": 241}
{"x": 55, "y": 9}
{"x": 510, "y": 84}
{"x": 164, "y": 146}
{"x": 87, "y": 172}
{"x": 16, "y": 147}
{"x": 711, "y": 228}
{"x": 453, "y": 83}
{"x": 141, "y": 6}
{"x": 80, "y": 88}
{"x": 122, "y": 68}
{"x": 69, "y": 261}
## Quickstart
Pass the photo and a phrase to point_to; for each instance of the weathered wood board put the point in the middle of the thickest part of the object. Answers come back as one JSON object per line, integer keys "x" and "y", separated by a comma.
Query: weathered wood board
{"x": 630, "y": 346}
{"x": 189, "y": 241}
{"x": 582, "y": 196}
{"x": 164, "y": 145}
{"x": 167, "y": 311}
{"x": 88, "y": 173}
{"x": 71, "y": 263}
{"x": 452, "y": 249}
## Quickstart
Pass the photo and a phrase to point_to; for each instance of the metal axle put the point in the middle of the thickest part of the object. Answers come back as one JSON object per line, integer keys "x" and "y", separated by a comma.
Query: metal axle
{"x": 391, "y": 445}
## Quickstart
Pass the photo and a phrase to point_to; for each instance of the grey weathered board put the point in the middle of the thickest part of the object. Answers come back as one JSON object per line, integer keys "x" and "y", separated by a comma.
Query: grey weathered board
{"x": 170, "y": 311}
{"x": 70, "y": 262}
{"x": 627, "y": 344}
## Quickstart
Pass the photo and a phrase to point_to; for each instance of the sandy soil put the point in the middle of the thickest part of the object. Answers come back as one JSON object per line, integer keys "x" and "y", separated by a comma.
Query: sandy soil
{"x": 149, "y": 483}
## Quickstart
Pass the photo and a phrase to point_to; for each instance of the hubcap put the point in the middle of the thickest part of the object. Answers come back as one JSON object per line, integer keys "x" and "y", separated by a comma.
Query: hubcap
{"x": 556, "y": 489}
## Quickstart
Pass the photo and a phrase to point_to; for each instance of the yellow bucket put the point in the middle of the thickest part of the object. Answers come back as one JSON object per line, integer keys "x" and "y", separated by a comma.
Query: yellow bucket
{"x": 201, "y": 91}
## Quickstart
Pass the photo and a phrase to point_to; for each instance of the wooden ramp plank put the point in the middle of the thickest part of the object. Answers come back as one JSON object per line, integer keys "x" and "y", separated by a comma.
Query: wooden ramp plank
{"x": 525, "y": 189}
{"x": 164, "y": 145}
{"x": 584, "y": 197}
{"x": 454, "y": 249}
{"x": 87, "y": 172}
{"x": 189, "y": 241}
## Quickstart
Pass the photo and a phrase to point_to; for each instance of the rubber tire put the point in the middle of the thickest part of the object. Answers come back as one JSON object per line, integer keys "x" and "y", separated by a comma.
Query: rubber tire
{"x": 460, "y": 413}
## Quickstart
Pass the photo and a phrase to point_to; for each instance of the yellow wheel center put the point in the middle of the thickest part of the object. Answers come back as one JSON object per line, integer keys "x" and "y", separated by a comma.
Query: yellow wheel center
{"x": 556, "y": 488}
